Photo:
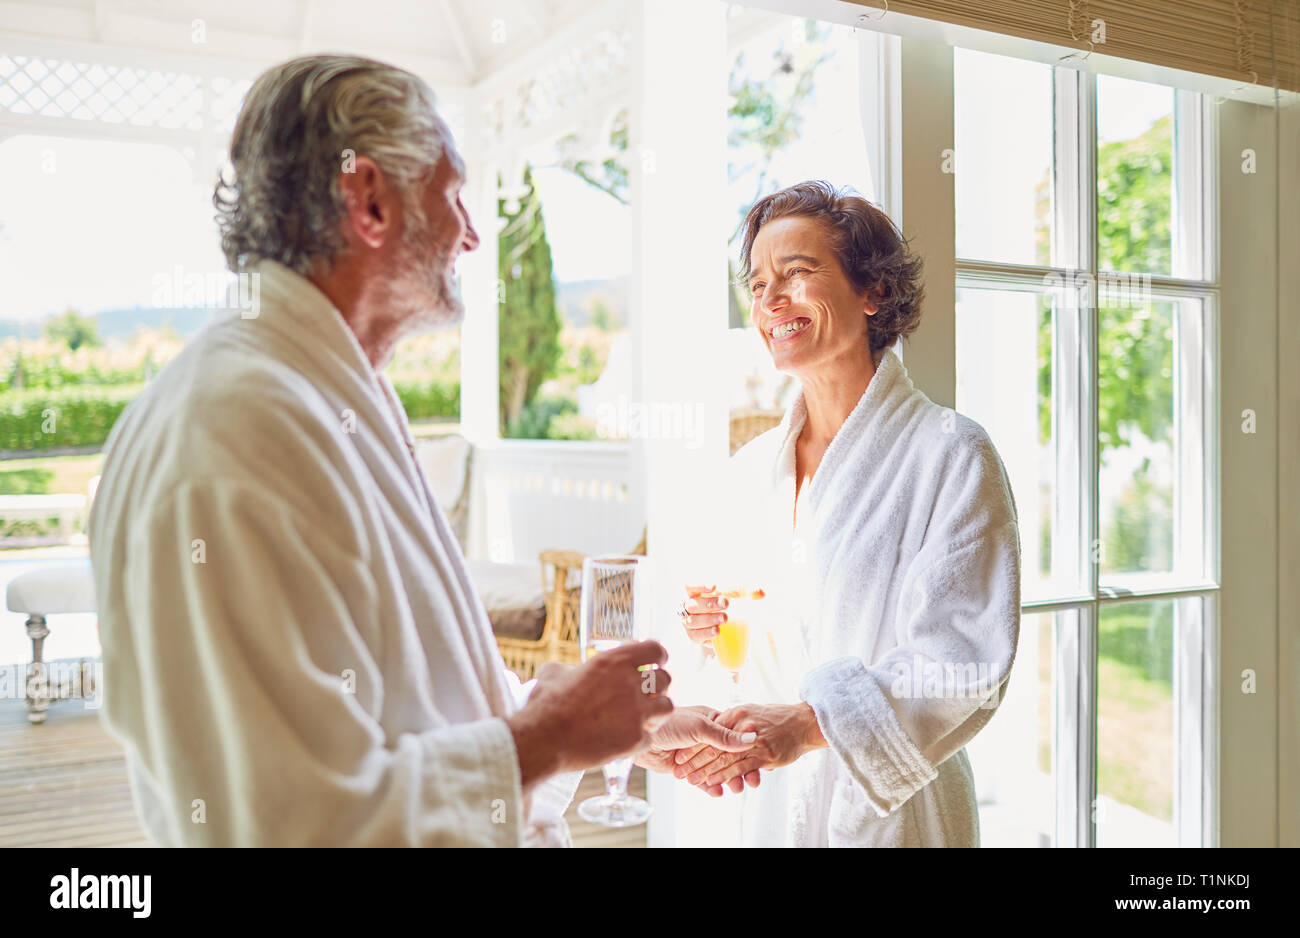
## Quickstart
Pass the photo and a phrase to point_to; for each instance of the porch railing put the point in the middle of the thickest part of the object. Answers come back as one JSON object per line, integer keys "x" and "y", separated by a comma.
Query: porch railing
{"x": 534, "y": 495}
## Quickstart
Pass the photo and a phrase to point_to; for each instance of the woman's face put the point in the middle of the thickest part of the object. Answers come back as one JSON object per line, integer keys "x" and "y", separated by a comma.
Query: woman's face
{"x": 796, "y": 280}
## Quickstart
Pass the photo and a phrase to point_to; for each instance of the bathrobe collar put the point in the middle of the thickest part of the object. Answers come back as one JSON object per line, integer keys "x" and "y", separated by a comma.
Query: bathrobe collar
{"x": 297, "y": 309}
{"x": 890, "y": 380}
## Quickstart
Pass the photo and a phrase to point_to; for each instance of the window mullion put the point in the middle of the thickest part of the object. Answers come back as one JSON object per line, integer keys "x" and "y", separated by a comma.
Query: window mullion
{"x": 1074, "y": 366}
{"x": 1088, "y": 661}
{"x": 1189, "y": 740}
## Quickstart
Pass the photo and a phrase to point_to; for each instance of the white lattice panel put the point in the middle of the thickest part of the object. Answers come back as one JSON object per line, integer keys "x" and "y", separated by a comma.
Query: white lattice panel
{"x": 111, "y": 94}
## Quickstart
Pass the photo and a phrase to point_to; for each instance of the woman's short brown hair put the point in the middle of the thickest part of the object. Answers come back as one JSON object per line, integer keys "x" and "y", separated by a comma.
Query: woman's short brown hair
{"x": 872, "y": 252}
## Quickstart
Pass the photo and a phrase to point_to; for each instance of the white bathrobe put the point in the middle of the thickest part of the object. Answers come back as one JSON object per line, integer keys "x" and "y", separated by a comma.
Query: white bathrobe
{"x": 896, "y": 614}
{"x": 294, "y": 653}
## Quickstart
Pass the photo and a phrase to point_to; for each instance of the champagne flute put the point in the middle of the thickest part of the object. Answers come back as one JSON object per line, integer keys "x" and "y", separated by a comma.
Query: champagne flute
{"x": 614, "y": 611}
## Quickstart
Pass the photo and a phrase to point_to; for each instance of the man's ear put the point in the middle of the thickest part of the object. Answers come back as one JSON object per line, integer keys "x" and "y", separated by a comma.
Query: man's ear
{"x": 371, "y": 209}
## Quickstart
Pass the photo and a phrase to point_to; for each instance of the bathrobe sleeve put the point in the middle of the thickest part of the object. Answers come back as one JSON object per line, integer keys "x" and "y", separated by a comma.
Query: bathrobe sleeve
{"x": 263, "y": 729}
{"x": 893, "y": 721}
{"x": 550, "y": 798}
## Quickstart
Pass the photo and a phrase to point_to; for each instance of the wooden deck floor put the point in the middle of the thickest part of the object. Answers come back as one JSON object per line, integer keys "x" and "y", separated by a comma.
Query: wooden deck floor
{"x": 64, "y": 784}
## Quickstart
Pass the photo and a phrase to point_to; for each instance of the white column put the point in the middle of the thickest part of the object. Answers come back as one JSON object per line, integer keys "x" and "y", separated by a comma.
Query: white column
{"x": 1250, "y": 734}
{"x": 478, "y": 333}
{"x": 479, "y": 350}
{"x": 925, "y": 209}
{"x": 678, "y": 312}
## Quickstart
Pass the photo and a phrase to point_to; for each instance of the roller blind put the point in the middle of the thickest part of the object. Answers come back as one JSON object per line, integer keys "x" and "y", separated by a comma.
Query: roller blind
{"x": 1249, "y": 41}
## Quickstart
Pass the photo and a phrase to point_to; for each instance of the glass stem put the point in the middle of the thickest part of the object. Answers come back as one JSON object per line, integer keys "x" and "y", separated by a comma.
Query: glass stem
{"x": 616, "y": 780}
{"x": 733, "y": 695}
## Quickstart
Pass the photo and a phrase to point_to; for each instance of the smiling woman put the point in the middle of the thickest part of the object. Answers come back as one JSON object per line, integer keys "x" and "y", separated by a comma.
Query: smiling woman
{"x": 841, "y": 228}
{"x": 885, "y": 528}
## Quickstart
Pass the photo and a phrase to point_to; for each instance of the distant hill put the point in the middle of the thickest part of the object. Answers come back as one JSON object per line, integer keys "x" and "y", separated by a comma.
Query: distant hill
{"x": 119, "y": 323}
{"x": 577, "y": 301}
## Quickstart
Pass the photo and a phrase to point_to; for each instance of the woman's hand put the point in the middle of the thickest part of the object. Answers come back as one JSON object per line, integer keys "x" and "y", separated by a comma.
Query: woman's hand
{"x": 785, "y": 732}
{"x": 704, "y": 614}
{"x": 694, "y": 728}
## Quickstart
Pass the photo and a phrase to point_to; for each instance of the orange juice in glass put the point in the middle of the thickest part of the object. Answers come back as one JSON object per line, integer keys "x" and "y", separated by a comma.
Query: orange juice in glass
{"x": 731, "y": 644}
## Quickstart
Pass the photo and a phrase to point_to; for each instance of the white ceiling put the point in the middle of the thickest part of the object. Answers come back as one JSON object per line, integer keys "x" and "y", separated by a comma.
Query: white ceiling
{"x": 452, "y": 42}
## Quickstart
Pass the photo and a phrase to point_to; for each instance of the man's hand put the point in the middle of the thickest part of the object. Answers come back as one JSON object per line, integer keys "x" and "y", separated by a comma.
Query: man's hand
{"x": 785, "y": 732}
{"x": 580, "y": 717}
{"x": 693, "y": 728}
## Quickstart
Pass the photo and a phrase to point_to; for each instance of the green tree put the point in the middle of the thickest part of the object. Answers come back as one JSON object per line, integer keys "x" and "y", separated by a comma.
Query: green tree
{"x": 765, "y": 115}
{"x": 1136, "y": 345}
{"x": 609, "y": 175}
{"x": 73, "y": 329}
{"x": 602, "y": 317}
{"x": 528, "y": 318}
{"x": 1134, "y": 188}
{"x": 1134, "y": 182}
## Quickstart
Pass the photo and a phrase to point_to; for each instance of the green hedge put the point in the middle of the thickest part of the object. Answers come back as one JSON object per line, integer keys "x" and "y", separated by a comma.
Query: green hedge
{"x": 81, "y": 416}
{"x": 426, "y": 401}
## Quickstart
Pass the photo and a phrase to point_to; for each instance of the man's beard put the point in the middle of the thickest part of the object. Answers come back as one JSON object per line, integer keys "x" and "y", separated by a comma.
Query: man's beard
{"x": 422, "y": 286}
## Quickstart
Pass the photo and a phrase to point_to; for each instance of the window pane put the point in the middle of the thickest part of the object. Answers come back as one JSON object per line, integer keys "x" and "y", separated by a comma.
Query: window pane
{"x": 563, "y": 247}
{"x": 1135, "y": 175}
{"x": 1006, "y": 382}
{"x": 1135, "y": 411}
{"x": 797, "y": 111}
{"x": 1003, "y": 131}
{"x": 1012, "y": 756}
{"x": 1135, "y": 725}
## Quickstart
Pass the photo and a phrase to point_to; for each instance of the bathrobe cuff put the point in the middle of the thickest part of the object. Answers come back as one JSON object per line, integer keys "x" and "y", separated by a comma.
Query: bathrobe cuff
{"x": 469, "y": 763}
{"x": 549, "y": 799}
{"x": 862, "y": 729}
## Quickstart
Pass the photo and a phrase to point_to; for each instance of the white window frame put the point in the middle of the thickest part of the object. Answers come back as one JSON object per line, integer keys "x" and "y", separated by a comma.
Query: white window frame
{"x": 1077, "y": 522}
{"x": 909, "y": 61}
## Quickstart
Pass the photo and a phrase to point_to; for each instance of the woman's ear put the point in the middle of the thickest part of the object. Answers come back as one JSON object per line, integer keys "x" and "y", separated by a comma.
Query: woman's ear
{"x": 868, "y": 306}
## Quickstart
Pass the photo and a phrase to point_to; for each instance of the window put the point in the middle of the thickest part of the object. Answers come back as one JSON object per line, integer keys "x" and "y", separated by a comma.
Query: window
{"x": 791, "y": 82}
{"x": 1086, "y": 305}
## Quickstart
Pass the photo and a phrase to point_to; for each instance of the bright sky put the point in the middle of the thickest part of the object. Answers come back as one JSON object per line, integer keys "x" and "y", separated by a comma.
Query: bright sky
{"x": 1126, "y": 108}
{"x": 830, "y": 145}
{"x": 90, "y": 224}
{"x": 591, "y": 238}
{"x": 93, "y": 224}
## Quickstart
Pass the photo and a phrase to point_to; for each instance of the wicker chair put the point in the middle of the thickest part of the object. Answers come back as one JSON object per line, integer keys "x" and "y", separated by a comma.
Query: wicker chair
{"x": 562, "y": 578}
{"x": 562, "y": 588}
{"x": 747, "y": 424}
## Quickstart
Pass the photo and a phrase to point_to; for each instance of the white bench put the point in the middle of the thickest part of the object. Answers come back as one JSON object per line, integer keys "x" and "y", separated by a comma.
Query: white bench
{"x": 51, "y": 589}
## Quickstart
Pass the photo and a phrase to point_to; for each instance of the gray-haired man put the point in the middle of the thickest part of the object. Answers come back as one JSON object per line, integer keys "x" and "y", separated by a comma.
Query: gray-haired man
{"x": 293, "y": 650}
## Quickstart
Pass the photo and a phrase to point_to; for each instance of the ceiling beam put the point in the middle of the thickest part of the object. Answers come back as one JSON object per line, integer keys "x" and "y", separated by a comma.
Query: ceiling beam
{"x": 457, "y": 30}
{"x": 101, "y": 19}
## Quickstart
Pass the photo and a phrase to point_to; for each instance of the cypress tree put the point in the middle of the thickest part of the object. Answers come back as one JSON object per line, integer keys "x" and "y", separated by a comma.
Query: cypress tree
{"x": 528, "y": 318}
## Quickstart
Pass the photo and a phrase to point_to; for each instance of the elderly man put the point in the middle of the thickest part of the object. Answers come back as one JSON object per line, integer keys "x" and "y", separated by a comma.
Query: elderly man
{"x": 293, "y": 650}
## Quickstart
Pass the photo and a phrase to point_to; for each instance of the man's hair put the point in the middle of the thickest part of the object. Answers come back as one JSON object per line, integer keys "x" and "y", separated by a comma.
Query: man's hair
{"x": 300, "y": 123}
{"x": 872, "y": 252}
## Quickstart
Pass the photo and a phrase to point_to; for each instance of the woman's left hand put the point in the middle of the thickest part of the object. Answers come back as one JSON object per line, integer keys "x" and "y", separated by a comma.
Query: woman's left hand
{"x": 785, "y": 732}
